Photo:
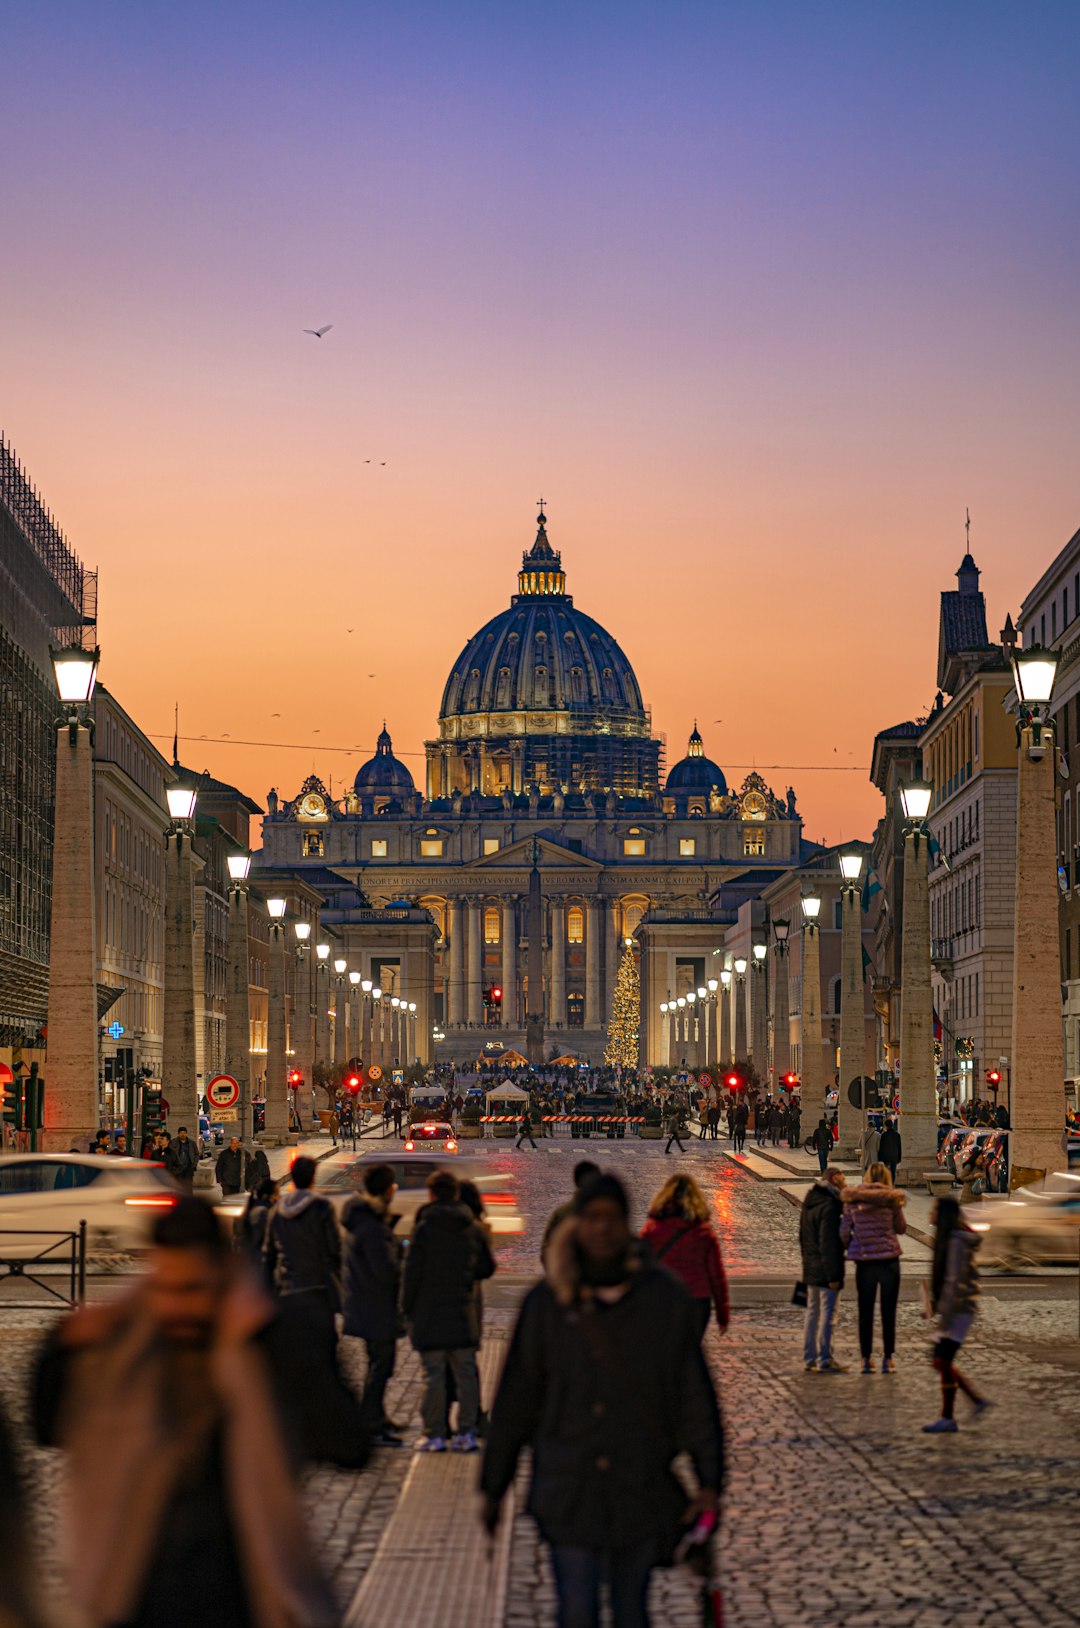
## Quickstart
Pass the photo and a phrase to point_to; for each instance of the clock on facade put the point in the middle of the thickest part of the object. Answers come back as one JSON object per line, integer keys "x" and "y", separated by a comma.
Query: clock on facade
{"x": 754, "y": 806}
{"x": 312, "y": 806}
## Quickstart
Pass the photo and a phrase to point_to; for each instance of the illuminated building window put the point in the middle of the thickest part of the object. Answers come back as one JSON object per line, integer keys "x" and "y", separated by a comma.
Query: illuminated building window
{"x": 687, "y": 847}
{"x": 575, "y": 924}
{"x": 632, "y": 919}
{"x": 634, "y": 847}
{"x": 378, "y": 847}
{"x": 753, "y": 844}
{"x": 491, "y": 845}
{"x": 431, "y": 848}
{"x": 313, "y": 845}
{"x": 491, "y": 926}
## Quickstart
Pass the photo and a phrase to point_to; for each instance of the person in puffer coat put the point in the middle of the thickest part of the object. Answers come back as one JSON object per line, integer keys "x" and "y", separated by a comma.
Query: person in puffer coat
{"x": 871, "y": 1226}
{"x": 822, "y": 1269}
{"x": 679, "y": 1235}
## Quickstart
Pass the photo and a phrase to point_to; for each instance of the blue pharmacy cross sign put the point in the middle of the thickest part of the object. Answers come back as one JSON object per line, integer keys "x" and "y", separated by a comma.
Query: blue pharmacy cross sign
{"x": 116, "y": 1029}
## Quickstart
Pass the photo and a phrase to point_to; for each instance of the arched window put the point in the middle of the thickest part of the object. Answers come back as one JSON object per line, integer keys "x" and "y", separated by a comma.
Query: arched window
{"x": 313, "y": 845}
{"x": 502, "y": 688}
{"x": 575, "y": 925}
{"x": 540, "y": 686}
{"x": 491, "y": 925}
{"x": 632, "y": 918}
{"x": 834, "y": 995}
{"x": 472, "y": 689}
{"x": 577, "y": 684}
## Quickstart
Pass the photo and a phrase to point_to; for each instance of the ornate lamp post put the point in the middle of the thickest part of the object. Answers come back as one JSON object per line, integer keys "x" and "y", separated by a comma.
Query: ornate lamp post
{"x": 238, "y": 1005}
{"x": 179, "y": 1074}
{"x": 303, "y": 1043}
{"x": 852, "y": 1120}
{"x": 711, "y": 987}
{"x": 918, "y": 1075}
{"x": 341, "y": 1039}
{"x": 741, "y": 1047}
{"x": 813, "y": 1063}
{"x": 692, "y": 1028}
{"x": 781, "y": 1024}
{"x": 1038, "y": 1063}
{"x": 377, "y": 1027}
{"x": 367, "y": 1041}
{"x": 665, "y": 1043}
{"x": 71, "y": 1105}
{"x": 322, "y": 1004}
{"x": 412, "y": 1029}
{"x": 276, "y": 1120}
{"x": 354, "y": 1033}
{"x": 759, "y": 1011}
{"x": 395, "y": 1029}
{"x": 681, "y": 1011}
{"x": 727, "y": 1056}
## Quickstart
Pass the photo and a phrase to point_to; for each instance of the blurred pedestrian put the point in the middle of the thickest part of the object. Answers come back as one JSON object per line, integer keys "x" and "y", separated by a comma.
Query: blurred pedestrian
{"x": 740, "y": 1121}
{"x": 954, "y": 1293}
{"x": 251, "y": 1226}
{"x": 680, "y": 1237}
{"x": 18, "y": 1576}
{"x": 871, "y": 1226}
{"x": 822, "y": 1143}
{"x": 448, "y": 1254}
{"x": 372, "y": 1294}
{"x": 256, "y": 1168}
{"x": 675, "y": 1125}
{"x": 188, "y": 1407}
{"x": 584, "y": 1170}
{"x": 871, "y": 1142}
{"x": 525, "y": 1130}
{"x": 302, "y": 1250}
{"x": 606, "y": 1383}
{"x": 794, "y": 1125}
{"x": 822, "y": 1253}
{"x": 890, "y": 1148}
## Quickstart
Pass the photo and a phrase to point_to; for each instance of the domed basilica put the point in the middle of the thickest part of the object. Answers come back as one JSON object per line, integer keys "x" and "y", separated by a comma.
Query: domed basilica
{"x": 545, "y": 758}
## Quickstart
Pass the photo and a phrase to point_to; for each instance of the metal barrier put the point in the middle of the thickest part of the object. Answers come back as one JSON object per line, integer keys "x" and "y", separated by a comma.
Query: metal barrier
{"x": 19, "y": 1267}
{"x": 611, "y": 1126}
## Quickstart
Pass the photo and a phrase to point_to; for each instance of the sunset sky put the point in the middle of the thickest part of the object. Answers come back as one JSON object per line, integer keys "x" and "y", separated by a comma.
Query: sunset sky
{"x": 759, "y": 296}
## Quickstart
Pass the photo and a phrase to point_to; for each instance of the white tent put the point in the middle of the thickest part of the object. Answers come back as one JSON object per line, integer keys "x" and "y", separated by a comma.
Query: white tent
{"x": 513, "y": 1095}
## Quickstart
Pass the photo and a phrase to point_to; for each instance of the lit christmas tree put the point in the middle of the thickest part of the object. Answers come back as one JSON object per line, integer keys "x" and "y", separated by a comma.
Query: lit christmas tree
{"x": 625, "y": 1020}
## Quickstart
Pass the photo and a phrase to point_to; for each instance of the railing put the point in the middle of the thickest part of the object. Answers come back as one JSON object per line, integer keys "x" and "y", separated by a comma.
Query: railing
{"x": 25, "y": 1267}
{"x": 941, "y": 949}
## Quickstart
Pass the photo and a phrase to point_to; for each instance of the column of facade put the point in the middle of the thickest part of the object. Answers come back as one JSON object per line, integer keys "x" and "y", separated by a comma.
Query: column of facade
{"x": 758, "y": 976}
{"x": 509, "y": 961}
{"x": 474, "y": 975}
{"x": 594, "y": 919}
{"x": 238, "y": 1011}
{"x": 738, "y": 984}
{"x": 71, "y": 1066}
{"x": 812, "y": 1073}
{"x": 178, "y": 1069}
{"x": 322, "y": 1012}
{"x": 557, "y": 974}
{"x": 456, "y": 928}
{"x": 613, "y": 949}
{"x": 781, "y": 1021}
{"x": 852, "y": 1021}
{"x": 276, "y": 1123}
{"x": 724, "y": 1001}
{"x": 918, "y": 1073}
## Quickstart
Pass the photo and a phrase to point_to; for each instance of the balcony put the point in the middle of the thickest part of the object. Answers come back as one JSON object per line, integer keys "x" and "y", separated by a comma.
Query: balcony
{"x": 941, "y": 953}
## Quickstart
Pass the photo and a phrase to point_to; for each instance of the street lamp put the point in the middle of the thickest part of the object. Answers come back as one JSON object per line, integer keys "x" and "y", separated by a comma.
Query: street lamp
{"x": 72, "y": 1104}
{"x": 276, "y": 1117}
{"x": 1038, "y": 1063}
{"x": 340, "y": 1037}
{"x": 322, "y": 1004}
{"x": 354, "y": 1020}
{"x": 812, "y": 1068}
{"x": 238, "y": 1005}
{"x": 781, "y": 1008}
{"x": 179, "y": 1067}
{"x": 739, "y": 1044}
{"x": 918, "y": 1074}
{"x": 851, "y": 1117}
{"x": 759, "y": 1010}
{"x": 727, "y": 1055}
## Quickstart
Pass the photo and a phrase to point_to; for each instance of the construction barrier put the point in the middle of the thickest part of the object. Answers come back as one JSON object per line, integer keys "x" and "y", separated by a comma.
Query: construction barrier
{"x": 574, "y": 1125}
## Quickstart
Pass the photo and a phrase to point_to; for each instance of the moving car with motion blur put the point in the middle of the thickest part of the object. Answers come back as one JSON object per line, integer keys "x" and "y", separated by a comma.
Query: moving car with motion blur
{"x": 118, "y": 1199}
{"x": 338, "y": 1183}
{"x": 1035, "y": 1226}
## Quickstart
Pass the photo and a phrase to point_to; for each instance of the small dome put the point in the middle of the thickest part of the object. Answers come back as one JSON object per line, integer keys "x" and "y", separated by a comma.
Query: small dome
{"x": 384, "y": 772}
{"x": 696, "y": 772}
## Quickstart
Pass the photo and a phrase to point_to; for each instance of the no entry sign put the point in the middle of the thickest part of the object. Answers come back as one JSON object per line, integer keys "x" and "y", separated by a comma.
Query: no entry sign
{"x": 223, "y": 1091}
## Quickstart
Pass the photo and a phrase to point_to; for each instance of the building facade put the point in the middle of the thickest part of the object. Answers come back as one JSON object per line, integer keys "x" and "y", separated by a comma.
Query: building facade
{"x": 545, "y": 757}
{"x": 896, "y": 762}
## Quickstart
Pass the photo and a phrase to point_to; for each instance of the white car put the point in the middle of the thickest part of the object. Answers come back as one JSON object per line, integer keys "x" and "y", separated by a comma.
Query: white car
{"x": 1034, "y": 1225}
{"x": 430, "y": 1132}
{"x": 118, "y": 1199}
{"x": 338, "y": 1182}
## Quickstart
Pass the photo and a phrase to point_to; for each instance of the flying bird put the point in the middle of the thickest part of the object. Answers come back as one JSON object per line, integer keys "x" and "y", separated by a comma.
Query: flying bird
{"x": 318, "y": 332}
{"x": 275, "y": 715}
{"x": 371, "y": 675}
{"x": 349, "y": 630}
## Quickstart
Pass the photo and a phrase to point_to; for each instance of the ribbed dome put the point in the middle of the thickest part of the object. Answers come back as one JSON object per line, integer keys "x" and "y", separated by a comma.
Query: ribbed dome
{"x": 542, "y": 655}
{"x": 384, "y": 772}
{"x": 696, "y": 772}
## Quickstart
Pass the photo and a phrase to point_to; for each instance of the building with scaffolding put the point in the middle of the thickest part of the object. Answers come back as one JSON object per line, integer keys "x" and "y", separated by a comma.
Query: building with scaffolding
{"x": 47, "y": 596}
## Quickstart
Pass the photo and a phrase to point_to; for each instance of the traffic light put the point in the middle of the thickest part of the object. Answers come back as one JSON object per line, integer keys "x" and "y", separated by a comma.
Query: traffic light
{"x": 993, "y": 1078}
{"x": 295, "y": 1078}
{"x": 496, "y": 995}
{"x": 13, "y": 1099}
{"x": 352, "y": 1084}
{"x": 790, "y": 1082}
{"x": 734, "y": 1082}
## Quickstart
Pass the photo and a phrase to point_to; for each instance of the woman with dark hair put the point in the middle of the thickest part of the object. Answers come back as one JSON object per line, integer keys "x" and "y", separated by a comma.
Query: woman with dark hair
{"x": 954, "y": 1290}
{"x": 680, "y": 1237}
{"x": 251, "y": 1226}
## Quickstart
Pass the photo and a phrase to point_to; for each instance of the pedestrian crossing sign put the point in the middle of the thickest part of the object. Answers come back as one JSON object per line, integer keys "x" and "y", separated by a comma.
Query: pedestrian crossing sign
{"x": 399, "y": 1076}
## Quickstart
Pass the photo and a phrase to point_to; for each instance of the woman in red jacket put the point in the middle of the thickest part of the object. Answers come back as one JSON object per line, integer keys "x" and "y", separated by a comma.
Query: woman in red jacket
{"x": 680, "y": 1238}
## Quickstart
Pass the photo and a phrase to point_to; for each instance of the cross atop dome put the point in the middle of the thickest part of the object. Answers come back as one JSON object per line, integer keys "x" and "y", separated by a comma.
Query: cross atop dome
{"x": 541, "y": 568}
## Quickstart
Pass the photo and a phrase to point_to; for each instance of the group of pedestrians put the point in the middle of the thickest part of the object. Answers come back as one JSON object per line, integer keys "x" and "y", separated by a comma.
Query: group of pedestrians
{"x": 864, "y": 1224}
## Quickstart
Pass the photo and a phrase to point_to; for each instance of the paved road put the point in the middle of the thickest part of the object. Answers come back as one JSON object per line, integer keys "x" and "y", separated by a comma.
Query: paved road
{"x": 838, "y": 1509}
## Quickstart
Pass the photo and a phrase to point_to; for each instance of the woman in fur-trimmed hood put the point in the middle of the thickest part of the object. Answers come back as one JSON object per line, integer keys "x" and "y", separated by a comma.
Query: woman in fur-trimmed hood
{"x": 871, "y": 1227}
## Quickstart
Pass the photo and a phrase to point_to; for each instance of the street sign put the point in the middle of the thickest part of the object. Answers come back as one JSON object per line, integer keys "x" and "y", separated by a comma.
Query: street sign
{"x": 222, "y": 1116}
{"x": 374, "y": 1072}
{"x": 863, "y": 1092}
{"x": 222, "y": 1092}
{"x": 399, "y": 1076}
{"x": 6, "y": 1075}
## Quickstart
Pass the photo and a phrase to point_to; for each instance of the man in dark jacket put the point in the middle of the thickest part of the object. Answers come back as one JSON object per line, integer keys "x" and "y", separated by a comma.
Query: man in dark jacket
{"x": 449, "y": 1254}
{"x": 740, "y": 1121}
{"x": 182, "y": 1158}
{"x": 202, "y": 1491}
{"x": 372, "y": 1292}
{"x": 890, "y": 1148}
{"x": 302, "y": 1252}
{"x": 606, "y": 1382}
{"x": 822, "y": 1140}
{"x": 229, "y": 1168}
{"x": 822, "y": 1269}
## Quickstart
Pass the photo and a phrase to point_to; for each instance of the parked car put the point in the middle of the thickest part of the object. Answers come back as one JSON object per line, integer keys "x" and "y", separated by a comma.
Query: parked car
{"x": 117, "y": 1198}
{"x": 431, "y": 1131}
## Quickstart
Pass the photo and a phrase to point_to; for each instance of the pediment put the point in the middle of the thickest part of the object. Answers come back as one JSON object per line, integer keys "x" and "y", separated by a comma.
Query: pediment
{"x": 518, "y": 854}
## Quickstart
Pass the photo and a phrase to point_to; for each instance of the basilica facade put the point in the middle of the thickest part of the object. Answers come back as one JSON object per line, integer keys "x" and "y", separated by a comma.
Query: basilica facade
{"x": 545, "y": 757}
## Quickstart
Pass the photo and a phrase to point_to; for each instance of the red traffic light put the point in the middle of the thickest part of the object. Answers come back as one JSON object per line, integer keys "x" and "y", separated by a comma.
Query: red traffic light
{"x": 353, "y": 1083}
{"x": 733, "y": 1082}
{"x": 295, "y": 1077}
{"x": 790, "y": 1081}
{"x": 496, "y": 996}
{"x": 993, "y": 1076}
